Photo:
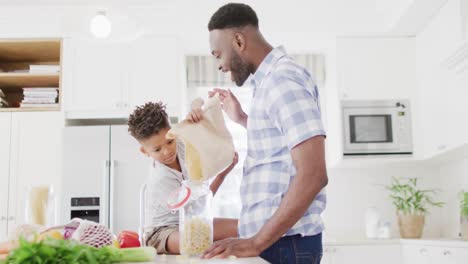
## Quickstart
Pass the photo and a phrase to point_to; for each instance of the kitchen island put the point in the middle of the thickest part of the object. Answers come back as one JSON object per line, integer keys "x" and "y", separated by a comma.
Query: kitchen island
{"x": 177, "y": 259}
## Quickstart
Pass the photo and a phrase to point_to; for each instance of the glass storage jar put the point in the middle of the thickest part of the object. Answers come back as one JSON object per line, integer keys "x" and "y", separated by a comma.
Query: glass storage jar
{"x": 194, "y": 202}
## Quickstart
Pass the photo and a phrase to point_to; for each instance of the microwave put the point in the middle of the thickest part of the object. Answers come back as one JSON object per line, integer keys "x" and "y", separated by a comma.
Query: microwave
{"x": 377, "y": 127}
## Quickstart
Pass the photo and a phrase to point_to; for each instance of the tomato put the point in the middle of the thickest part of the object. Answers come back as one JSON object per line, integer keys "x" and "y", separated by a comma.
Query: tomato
{"x": 128, "y": 239}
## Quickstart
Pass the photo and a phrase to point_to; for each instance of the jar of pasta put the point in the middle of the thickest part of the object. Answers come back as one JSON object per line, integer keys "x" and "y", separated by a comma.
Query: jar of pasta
{"x": 194, "y": 203}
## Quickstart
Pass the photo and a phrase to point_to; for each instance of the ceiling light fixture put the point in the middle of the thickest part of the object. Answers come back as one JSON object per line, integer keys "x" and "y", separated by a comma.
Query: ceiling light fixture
{"x": 100, "y": 25}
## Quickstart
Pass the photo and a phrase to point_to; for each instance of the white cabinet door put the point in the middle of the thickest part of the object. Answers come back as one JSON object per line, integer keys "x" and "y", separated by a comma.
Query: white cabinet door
{"x": 376, "y": 68}
{"x": 443, "y": 255}
{"x": 97, "y": 76}
{"x": 35, "y": 157}
{"x": 327, "y": 255}
{"x": 382, "y": 254}
{"x": 153, "y": 73}
{"x": 5, "y": 132}
{"x": 130, "y": 169}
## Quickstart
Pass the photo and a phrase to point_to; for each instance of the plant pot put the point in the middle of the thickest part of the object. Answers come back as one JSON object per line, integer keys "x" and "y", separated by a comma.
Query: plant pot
{"x": 464, "y": 228}
{"x": 411, "y": 226}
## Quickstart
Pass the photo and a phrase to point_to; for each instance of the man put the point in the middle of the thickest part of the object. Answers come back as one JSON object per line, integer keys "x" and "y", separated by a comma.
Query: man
{"x": 284, "y": 172}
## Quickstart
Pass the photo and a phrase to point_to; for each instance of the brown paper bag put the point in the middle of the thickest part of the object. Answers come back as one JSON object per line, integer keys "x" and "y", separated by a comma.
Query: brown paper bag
{"x": 209, "y": 148}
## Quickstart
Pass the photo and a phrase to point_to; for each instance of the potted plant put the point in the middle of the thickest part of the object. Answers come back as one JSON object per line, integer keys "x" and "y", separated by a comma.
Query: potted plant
{"x": 464, "y": 215}
{"x": 412, "y": 205}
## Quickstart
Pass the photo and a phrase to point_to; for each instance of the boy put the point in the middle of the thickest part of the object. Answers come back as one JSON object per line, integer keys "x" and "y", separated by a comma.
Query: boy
{"x": 149, "y": 124}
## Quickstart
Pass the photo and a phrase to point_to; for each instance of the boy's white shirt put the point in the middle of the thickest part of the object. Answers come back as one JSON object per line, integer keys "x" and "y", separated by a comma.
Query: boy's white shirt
{"x": 162, "y": 181}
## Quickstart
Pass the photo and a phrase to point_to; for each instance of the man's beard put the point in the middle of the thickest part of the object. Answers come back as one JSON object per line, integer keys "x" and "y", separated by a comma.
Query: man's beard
{"x": 240, "y": 70}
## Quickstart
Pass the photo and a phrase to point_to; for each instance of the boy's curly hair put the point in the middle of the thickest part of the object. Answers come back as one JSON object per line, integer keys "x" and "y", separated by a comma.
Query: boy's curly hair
{"x": 148, "y": 120}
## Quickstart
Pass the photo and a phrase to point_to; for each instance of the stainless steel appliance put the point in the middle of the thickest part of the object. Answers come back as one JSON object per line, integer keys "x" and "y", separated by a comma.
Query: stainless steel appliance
{"x": 377, "y": 127}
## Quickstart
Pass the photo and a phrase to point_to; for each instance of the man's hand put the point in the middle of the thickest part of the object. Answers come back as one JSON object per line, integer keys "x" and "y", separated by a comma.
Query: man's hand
{"x": 230, "y": 105}
{"x": 233, "y": 247}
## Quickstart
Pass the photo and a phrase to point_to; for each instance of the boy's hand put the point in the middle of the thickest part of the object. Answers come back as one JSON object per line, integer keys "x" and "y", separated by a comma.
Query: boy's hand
{"x": 196, "y": 115}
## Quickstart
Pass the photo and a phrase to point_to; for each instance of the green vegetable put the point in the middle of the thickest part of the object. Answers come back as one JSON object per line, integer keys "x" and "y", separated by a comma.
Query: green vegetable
{"x": 52, "y": 251}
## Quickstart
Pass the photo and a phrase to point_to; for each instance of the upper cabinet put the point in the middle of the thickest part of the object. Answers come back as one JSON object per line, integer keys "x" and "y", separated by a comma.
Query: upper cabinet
{"x": 111, "y": 78}
{"x": 376, "y": 67}
{"x": 154, "y": 73}
{"x": 97, "y": 75}
{"x": 441, "y": 91}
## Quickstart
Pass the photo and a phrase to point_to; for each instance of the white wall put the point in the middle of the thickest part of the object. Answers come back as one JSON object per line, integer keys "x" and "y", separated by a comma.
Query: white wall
{"x": 352, "y": 190}
{"x": 453, "y": 177}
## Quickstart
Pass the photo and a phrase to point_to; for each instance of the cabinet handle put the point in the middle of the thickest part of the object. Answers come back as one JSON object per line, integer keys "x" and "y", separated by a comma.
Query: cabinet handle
{"x": 3, "y": 218}
{"x": 423, "y": 251}
{"x": 441, "y": 147}
{"x": 11, "y": 218}
{"x": 447, "y": 252}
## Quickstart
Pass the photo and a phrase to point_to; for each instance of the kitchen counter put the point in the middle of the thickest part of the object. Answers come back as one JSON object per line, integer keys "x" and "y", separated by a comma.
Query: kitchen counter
{"x": 185, "y": 260}
{"x": 447, "y": 242}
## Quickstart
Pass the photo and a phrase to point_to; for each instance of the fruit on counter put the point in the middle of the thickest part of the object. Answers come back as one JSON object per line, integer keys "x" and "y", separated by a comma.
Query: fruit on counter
{"x": 6, "y": 247}
{"x": 128, "y": 239}
{"x": 69, "y": 251}
{"x": 51, "y": 233}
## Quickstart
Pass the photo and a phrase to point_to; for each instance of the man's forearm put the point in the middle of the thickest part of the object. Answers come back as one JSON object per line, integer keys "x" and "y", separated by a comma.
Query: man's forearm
{"x": 299, "y": 197}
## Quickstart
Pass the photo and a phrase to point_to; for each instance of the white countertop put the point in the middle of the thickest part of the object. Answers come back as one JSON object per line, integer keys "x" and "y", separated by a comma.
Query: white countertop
{"x": 185, "y": 260}
{"x": 444, "y": 242}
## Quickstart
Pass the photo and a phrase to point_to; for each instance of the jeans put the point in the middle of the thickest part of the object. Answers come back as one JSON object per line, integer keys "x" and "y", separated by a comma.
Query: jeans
{"x": 295, "y": 250}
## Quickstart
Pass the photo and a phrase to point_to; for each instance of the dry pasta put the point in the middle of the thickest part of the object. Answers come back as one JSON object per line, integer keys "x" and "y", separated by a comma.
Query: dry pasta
{"x": 196, "y": 236}
{"x": 193, "y": 162}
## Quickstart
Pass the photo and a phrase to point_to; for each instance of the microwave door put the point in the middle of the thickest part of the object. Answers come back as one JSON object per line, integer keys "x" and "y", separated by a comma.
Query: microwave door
{"x": 370, "y": 131}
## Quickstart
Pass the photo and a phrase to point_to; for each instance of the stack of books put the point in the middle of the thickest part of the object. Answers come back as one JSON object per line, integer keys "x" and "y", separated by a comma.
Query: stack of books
{"x": 44, "y": 68}
{"x": 3, "y": 101}
{"x": 40, "y": 97}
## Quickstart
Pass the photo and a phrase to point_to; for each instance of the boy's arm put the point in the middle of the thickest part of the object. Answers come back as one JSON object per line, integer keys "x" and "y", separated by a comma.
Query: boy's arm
{"x": 220, "y": 177}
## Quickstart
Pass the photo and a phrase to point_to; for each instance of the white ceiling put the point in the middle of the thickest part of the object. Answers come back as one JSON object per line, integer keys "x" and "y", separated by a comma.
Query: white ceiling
{"x": 336, "y": 17}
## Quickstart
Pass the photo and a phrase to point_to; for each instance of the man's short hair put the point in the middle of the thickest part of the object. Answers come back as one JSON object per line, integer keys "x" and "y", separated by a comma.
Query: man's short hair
{"x": 233, "y": 15}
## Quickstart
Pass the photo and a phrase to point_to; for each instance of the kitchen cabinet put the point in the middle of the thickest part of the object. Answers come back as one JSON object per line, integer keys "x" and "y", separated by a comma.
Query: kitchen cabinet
{"x": 376, "y": 67}
{"x": 110, "y": 78}
{"x": 441, "y": 84}
{"x": 97, "y": 74}
{"x": 154, "y": 73}
{"x": 421, "y": 254}
{"x": 16, "y": 57}
{"x": 365, "y": 254}
{"x": 5, "y": 133}
{"x": 30, "y": 156}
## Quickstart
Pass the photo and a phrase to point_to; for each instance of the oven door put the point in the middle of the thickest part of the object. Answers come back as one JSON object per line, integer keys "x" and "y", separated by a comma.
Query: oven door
{"x": 370, "y": 131}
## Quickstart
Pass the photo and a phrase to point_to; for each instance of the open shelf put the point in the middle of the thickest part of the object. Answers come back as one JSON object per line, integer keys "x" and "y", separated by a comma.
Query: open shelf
{"x": 16, "y": 57}
{"x": 29, "y": 50}
{"x": 29, "y": 109}
{"x": 20, "y": 80}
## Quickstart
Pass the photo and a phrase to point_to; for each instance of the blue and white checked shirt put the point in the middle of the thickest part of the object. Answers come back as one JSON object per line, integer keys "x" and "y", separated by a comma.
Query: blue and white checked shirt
{"x": 284, "y": 112}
